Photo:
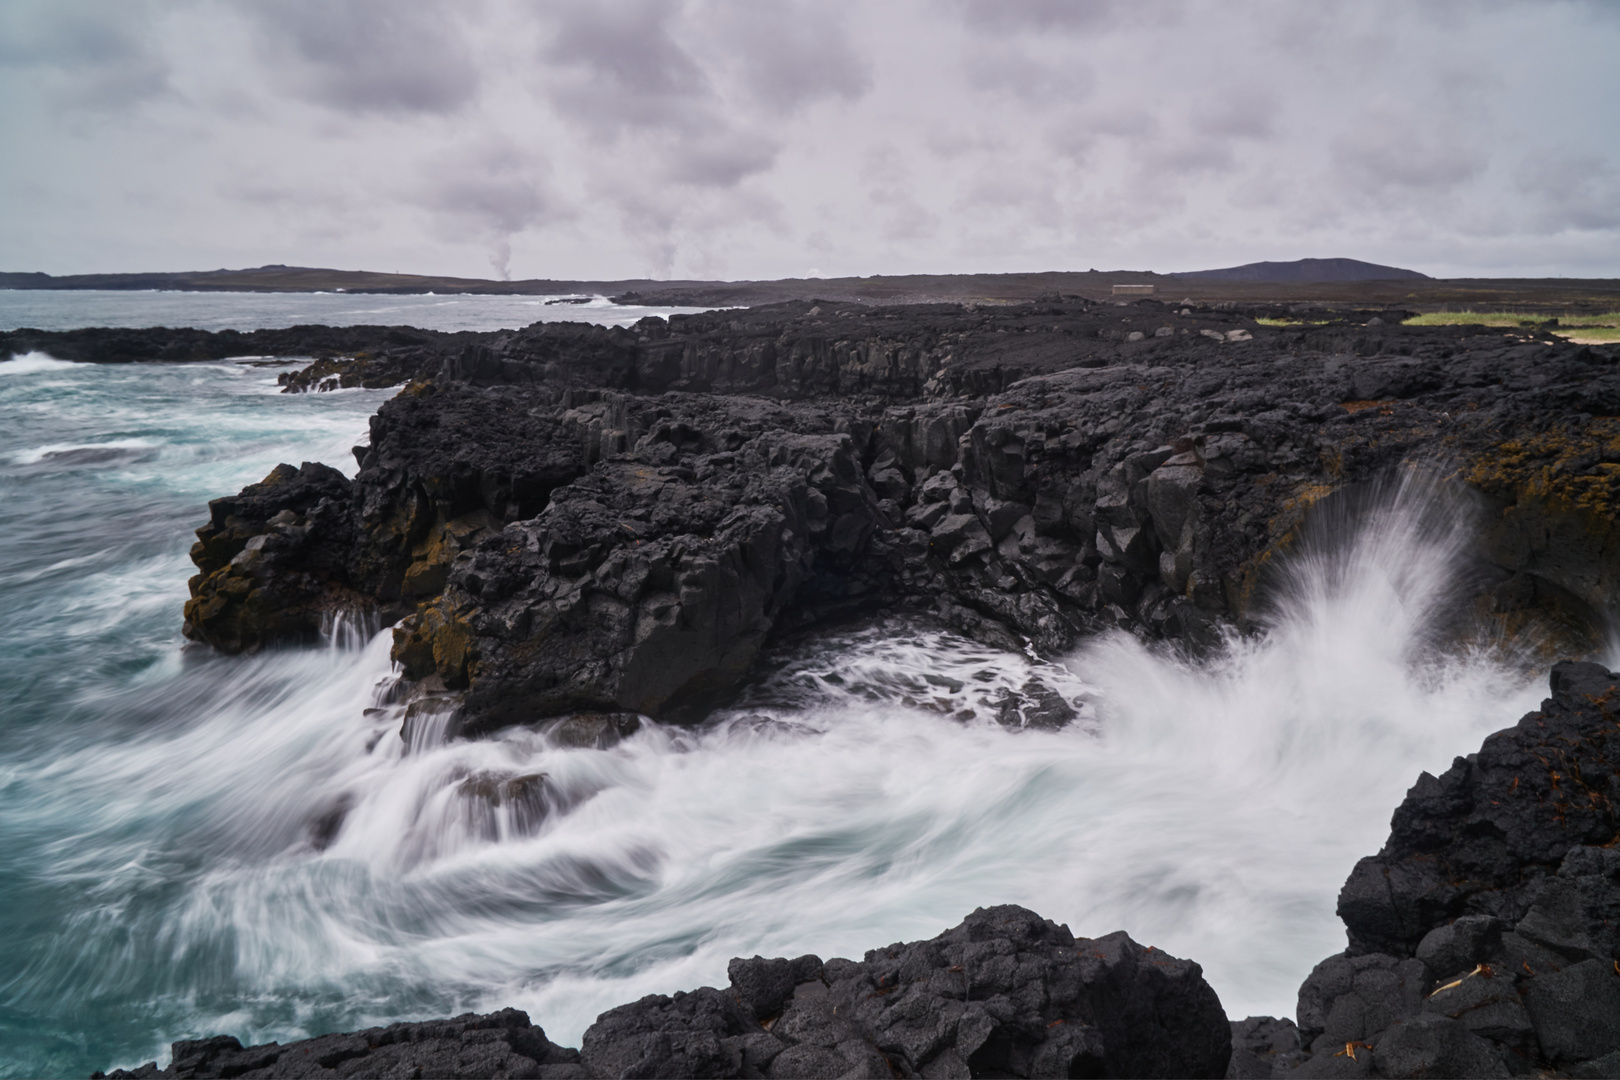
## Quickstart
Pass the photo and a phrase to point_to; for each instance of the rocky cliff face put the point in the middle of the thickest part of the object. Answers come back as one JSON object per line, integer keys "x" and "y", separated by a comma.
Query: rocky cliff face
{"x": 573, "y": 518}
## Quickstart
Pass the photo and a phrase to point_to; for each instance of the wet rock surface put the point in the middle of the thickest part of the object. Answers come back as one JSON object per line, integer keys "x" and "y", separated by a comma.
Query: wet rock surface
{"x": 367, "y": 355}
{"x": 502, "y": 1044}
{"x": 1485, "y": 936}
{"x": 572, "y": 518}
{"x": 1005, "y": 993}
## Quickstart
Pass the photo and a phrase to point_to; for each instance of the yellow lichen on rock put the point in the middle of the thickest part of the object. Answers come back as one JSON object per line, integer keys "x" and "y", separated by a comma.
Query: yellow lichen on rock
{"x": 435, "y": 639}
{"x": 1574, "y": 467}
{"x": 432, "y": 556}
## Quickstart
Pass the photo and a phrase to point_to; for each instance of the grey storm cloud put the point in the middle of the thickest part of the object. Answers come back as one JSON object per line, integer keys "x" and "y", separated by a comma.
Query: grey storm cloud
{"x": 1579, "y": 191}
{"x": 368, "y": 54}
{"x": 1389, "y": 148}
{"x": 618, "y": 66}
{"x": 97, "y": 56}
{"x": 722, "y": 159}
{"x": 1047, "y": 16}
{"x": 630, "y": 64}
{"x": 790, "y": 55}
{"x": 607, "y": 138}
{"x": 995, "y": 66}
{"x": 487, "y": 192}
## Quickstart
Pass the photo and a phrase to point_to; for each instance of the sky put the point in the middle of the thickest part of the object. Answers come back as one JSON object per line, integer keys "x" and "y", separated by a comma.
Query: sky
{"x": 740, "y": 139}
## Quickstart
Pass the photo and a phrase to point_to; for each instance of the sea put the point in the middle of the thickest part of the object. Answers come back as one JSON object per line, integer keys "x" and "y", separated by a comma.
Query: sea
{"x": 163, "y": 869}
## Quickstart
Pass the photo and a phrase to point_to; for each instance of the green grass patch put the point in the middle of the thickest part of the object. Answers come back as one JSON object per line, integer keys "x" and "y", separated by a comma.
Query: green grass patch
{"x": 1291, "y": 322}
{"x": 1512, "y": 318}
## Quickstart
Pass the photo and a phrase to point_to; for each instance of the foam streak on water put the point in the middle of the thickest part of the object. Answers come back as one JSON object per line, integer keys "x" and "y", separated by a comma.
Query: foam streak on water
{"x": 192, "y": 844}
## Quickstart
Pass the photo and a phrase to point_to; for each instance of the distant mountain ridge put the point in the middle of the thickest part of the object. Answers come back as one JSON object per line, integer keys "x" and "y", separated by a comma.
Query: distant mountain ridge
{"x": 1306, "y": 271}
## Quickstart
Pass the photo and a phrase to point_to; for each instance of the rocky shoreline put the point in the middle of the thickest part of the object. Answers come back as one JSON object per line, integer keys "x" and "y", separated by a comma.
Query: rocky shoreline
{"x": 576, "y": 522}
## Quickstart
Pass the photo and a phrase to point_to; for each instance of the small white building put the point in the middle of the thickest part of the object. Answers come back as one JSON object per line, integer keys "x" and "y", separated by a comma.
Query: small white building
{"x": 1133, "y": 290}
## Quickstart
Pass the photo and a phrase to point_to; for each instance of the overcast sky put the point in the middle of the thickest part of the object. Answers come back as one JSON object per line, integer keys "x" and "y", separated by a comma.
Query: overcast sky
{"x": 753, "y": 139}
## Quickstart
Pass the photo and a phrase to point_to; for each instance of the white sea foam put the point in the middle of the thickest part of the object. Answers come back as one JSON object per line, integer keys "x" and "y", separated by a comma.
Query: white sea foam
{"x": 31, "y": 363}
{"x": 860, "y": 794}
{"x": 74, "y": 453}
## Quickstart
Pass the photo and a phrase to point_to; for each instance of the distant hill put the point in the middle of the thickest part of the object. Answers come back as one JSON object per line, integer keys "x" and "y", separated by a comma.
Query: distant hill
{"x": 1307, "y": 271}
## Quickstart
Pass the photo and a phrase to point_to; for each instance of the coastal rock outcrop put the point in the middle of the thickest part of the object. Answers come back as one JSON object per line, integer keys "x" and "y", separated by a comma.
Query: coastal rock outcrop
{"x": 502, "y": 1044}
{"x": 367, "y": 355}
{"x": 567, "y": 518}
{"x": 1484, "y": 939}
{"x": 1005, "y": 993}
{"x": 270, "y": 560}
{"x": 650, "y": 584}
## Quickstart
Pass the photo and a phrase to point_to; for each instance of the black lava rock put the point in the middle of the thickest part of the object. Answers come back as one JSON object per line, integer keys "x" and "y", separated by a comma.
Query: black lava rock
{"x": 1006, "y": 993}
{"x": 502, "y": 1044}
{"x": 1485, "y": 936}
{"x": 575, "y": 518}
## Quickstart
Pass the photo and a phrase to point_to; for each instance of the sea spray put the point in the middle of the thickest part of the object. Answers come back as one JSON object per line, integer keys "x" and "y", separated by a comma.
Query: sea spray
{"x": 863, "y": 791}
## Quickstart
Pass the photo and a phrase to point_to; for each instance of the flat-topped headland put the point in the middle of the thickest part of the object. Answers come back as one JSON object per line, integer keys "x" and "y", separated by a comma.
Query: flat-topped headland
{"x": 570, "y": 517}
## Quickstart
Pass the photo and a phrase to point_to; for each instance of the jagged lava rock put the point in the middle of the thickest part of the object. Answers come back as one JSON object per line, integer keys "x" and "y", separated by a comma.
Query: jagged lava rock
{"x": 579, "y": 518}
{"x": 502, "y": 1044}
{"x": 1485, "y": 936}
{"x": 271, "y": 560}
{"x": 1005, "y": 993}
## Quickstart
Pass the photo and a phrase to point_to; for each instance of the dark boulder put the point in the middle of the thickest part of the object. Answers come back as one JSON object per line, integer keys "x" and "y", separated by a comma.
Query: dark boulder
{"x": 1263, "y": 1046}
{"x": 1471, "y": 840}
{"x": 271, "y": 561}
{"x": 1006, "y": 993}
